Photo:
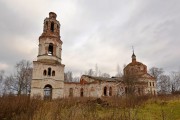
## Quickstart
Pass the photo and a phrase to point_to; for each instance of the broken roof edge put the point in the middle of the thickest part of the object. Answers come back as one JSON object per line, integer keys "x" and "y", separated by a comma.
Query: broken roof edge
{"x": 103, "y": 78}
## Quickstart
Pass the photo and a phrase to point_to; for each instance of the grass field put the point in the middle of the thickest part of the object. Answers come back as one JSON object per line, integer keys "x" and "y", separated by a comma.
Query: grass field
{"x": 127, "y": 108}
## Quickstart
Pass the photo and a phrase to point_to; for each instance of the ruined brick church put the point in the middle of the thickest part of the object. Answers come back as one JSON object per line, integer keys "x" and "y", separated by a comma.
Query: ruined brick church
{"x": 48, "y": 72}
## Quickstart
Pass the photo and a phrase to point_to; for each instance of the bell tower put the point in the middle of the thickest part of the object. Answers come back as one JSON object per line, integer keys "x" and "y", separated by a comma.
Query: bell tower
{"x": 48, "y": 71}
{"x": 50, "y": 42}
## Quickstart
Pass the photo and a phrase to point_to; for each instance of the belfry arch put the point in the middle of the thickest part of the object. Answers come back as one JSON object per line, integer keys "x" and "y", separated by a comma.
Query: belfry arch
{"x": 50, "y": 49}
{"x": 52, "y": 26}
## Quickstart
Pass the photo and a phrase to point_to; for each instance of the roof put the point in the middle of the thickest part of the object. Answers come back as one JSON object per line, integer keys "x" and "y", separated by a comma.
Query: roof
{"x": 104, "y": 78}
{"x": 72, "y": 82}
{"x": 146, "y": 76}
{"x": 135, "y": 63}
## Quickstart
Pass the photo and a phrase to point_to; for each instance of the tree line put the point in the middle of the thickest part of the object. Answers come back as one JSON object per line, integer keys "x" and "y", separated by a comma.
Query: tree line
{"x": 166, "y": 82}
{"x": 19, "y": 82}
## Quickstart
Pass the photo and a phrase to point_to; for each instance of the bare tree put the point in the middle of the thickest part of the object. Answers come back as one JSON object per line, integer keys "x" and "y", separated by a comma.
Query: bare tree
{"x": 20, "y": 81}
{"x": 10, "y": 85}
{"x": 96, "y": 70}
{"x": 68, "y": 76}
{"x": 1, "y": 75}
{"x": 97, "y": 73}
{"x": 76, "y": 79}
{"x": 164, "y": 84}
{"x": 90, "y": 72}
{"x": 1, "y": 81}
{"x": 106, "y": 75}
{"x": 156, "y": 72}
{"x": 175, "y": 81}
{"x": 119, "y": 71}
{"x": 130, "y": 83}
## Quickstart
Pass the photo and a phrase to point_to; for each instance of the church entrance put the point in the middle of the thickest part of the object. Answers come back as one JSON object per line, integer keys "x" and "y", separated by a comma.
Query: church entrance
{"x": 48, "y": 92}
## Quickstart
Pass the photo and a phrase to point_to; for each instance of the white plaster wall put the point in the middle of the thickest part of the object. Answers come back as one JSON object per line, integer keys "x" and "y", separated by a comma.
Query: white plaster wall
{"x": 43, "y": 46}
{"x": 39, "y": 67}
{"x": 39, "y": 80}
{"x": 90, "y": 90}
{"x": 36, "y": 92}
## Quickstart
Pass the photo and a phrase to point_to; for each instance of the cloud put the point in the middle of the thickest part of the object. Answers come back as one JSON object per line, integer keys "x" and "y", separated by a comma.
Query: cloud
{"x": 3, "y": 66}
{"x": 94, "y": 32}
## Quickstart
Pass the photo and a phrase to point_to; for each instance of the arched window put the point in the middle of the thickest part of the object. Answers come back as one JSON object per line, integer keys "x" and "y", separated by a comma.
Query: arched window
{"x": 52, "y": 27}
{"x": 45, "y": 72}
{"x": 50, "y": 49}
{"x": 110, "y": 91}
{"x": 105, "y": 91}
{"x": 53, "y": 73}
{"x": 48, "y": 92}
{"x": 71, "y": 92}
{"x": 81, "y": 92}
{"x": 49, "y": 71}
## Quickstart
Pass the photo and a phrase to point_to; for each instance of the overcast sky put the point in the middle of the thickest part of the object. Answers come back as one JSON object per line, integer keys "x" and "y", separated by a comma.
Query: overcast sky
{"x": 93, "y": 32}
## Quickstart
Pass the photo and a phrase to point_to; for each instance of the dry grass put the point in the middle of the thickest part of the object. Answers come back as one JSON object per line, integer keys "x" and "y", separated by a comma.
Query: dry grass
{"x": 127, "y": 108}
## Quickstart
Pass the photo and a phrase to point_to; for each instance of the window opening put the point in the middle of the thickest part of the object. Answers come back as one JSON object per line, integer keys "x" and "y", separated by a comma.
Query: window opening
{"x": 53, "y": 73}
{"x": 49, "y": 71}
{"x": 52, "y": 27}
{"x": 110, "y": 91}
{"x": 105, "y": 91}
{"x": 45, "y": 72}
{"x": 50, "y": 49}
{"x": 81, "y": 92}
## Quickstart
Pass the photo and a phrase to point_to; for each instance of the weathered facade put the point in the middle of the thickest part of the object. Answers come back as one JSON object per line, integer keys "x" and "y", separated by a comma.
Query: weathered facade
{"x": 137, "y": 72}
{"x": 90, "y": 86}
{"x": 48, "y": 72}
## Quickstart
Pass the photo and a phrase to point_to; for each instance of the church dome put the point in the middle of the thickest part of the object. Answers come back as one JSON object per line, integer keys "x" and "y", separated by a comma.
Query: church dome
{"x": 135, "y": 67}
